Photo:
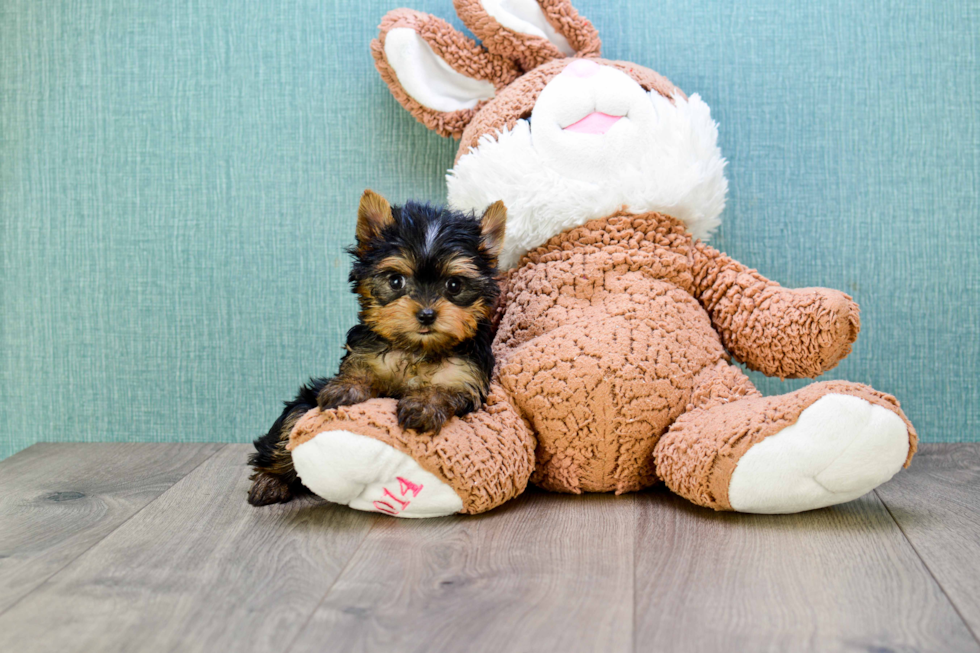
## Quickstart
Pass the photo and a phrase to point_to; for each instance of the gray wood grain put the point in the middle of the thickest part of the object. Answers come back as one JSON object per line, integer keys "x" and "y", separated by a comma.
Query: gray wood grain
{"x": 837, "y": 579}
{"x": 57, "y": 500}
{"x": 545, "y": 572}
{"x": 131, "y": 547}
{"x": 197, "y": 570}
{"x": 936, "y": 502}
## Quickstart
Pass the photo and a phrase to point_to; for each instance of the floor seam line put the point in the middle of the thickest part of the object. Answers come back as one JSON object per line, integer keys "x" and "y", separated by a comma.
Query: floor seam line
{"x": 925, "y": 564}
{"x": 323, "y": 598}
{"x": 118, "y": 526}
{"x": 636, "y": 534}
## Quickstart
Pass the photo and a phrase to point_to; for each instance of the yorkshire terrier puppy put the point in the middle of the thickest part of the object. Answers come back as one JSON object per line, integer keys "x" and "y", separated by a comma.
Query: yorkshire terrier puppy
{"x": 426, "y": 280}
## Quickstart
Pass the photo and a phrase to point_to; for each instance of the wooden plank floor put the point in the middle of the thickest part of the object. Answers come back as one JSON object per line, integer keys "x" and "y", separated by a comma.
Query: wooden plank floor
{"x": 151, "y": 547}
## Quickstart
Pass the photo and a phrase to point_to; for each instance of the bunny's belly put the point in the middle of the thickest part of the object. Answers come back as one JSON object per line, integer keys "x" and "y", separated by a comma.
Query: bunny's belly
{"x": 601, "y": 389}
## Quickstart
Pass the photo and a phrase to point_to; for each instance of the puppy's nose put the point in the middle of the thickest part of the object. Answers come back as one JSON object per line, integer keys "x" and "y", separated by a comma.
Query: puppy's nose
{"x": 426, "y": 316}
{"x": 582, "y": 68}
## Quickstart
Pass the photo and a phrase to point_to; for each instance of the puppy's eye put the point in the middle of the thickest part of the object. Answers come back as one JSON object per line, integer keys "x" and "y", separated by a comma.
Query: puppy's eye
{"x": 453, "y": 285}
{"x": 396, "y": 282}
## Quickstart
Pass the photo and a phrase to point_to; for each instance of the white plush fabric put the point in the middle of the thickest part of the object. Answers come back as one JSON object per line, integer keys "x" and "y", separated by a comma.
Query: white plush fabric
{"x": 365, "y": 474}
{"x": 840, "y": 448}
{"x": 427, "y": 78}
{"x": 662, "y": 156}
{"x": 526, "y": 17}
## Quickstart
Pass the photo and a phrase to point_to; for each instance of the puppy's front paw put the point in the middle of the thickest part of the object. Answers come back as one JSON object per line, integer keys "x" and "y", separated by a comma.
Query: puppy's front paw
{"x": 342, "y": 393}
{"x": 422, "y": 413}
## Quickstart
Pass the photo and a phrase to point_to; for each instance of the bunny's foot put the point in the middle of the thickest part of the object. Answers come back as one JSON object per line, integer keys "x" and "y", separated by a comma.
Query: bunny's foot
{"x": 367, "y": 474}
{"x": 825, "y": 444}
{"x": 359, "y": 456}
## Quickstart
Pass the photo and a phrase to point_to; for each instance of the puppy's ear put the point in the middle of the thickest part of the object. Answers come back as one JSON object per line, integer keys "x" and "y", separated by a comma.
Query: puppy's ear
{"x": 373, "y": 215}
{"x": 493, "y": 224}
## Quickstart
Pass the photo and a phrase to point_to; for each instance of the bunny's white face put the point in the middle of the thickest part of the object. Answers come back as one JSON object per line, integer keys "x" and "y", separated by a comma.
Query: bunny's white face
{"x": 588, "y": 118}
{"x": 596, "y": 141}
{"x": 565, "y": 141}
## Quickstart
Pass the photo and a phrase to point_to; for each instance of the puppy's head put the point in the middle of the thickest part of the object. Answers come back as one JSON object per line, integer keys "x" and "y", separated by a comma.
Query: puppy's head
{"x": 425, "y": 275}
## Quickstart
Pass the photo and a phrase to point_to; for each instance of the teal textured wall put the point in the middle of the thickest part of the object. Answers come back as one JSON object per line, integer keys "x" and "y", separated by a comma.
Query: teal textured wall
{"x": 177, "y": 180}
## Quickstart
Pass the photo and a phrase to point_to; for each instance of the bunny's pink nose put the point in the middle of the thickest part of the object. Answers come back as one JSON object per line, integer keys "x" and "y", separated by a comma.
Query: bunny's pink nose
{"x": 582, "y": 68}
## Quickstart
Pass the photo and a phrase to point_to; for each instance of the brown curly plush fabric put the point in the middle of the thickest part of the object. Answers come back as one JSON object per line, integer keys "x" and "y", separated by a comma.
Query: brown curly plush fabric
{"x": 698, "y": 455}
{"x": 612, "y": 335}
{"x": 486, "y": 456}
{"x": 599, "y": 347}
{"x": 808, "y": 330}
{"x": 527, "y": 50}
{"x": 463, "y": 54}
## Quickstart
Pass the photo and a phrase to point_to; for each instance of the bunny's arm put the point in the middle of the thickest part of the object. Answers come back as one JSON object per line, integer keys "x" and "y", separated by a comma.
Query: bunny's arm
{"x": 783, "y": 332}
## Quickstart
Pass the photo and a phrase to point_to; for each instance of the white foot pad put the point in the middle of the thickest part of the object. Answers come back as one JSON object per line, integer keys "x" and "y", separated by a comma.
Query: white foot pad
{"x": 365, "y": 474}
{"x": 840, "y": 448}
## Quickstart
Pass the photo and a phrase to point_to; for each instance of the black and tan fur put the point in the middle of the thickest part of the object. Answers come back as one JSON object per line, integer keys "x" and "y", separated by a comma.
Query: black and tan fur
{"x": 426, "y": 283}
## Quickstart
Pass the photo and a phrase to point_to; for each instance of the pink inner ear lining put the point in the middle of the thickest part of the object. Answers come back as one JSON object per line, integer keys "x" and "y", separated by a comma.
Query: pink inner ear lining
{"x": 594, "y": 123}
{"x": 582, "y": 68}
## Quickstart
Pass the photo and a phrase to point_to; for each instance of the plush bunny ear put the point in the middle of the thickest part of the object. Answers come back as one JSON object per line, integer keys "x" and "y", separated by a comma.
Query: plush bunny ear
{"x": 439, "y": 75}
{"x": 531, "y": 32}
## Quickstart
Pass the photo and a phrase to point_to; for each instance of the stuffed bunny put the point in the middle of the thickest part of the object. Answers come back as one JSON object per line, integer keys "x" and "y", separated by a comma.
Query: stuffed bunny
{"x": 618, "y": 326}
